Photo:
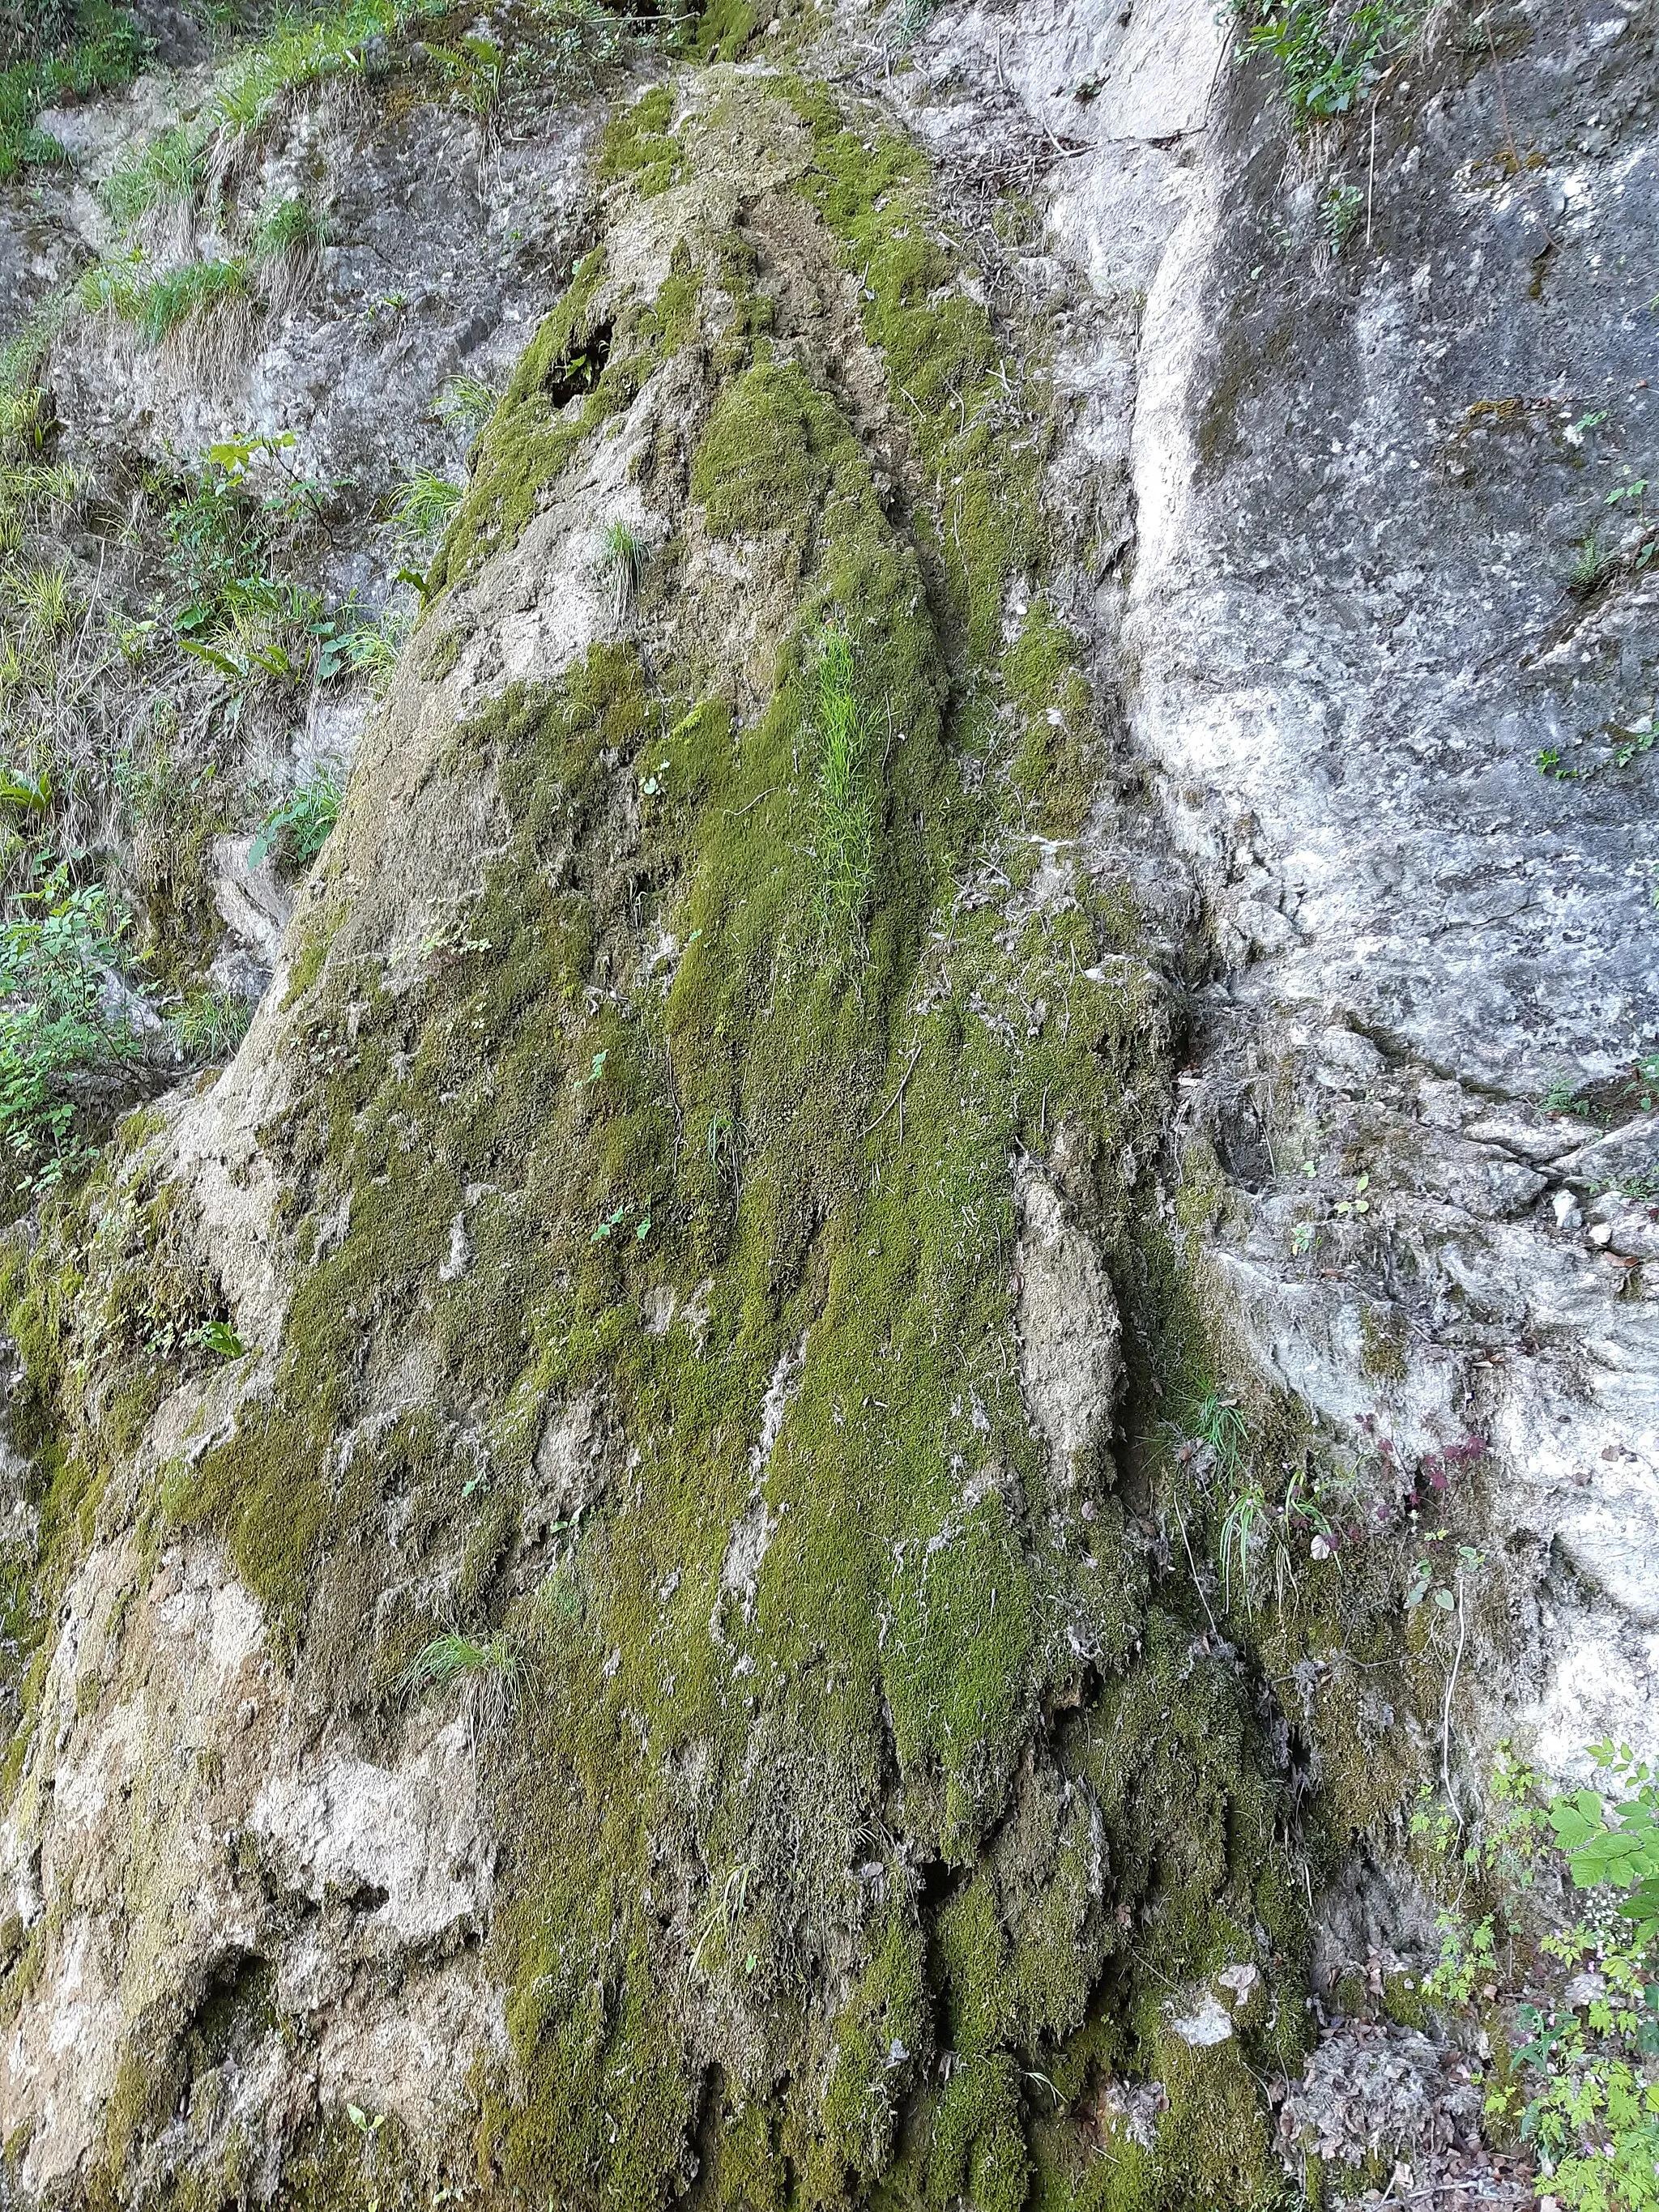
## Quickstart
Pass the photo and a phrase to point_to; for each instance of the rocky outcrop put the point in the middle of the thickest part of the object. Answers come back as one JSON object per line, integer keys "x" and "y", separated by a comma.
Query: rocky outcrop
{"x": 927, "y": 1262}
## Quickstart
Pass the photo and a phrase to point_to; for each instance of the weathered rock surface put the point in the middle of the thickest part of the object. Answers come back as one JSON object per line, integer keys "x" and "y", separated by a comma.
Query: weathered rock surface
{"x": 695, "y": 1638}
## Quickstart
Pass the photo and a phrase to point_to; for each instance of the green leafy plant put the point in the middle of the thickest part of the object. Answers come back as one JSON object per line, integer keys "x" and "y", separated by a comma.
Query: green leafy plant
{"x": 25, "y": 794}
{"x": 219, "y": 1336}
{"x": 58, "y": 1034}
{"x": 347, "y": 645}
{"x": 297, "y": 828}
{"x": 223, "y": 521}
{"x": 1632, "y": 740}
{"x": 1358, "y": 1204}
{"x": 1582, "y": 2088}
{"x": 1562, "y": 1095}
{"x": 1342, "y": 208}
{"x": 1591, "y": 565}
{"x": 474, "y": 70}
{"x": 1332, "y": 58}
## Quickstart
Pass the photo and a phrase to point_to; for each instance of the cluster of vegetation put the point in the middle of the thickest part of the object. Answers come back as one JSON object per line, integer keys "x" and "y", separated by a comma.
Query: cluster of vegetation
{"x": 101, "y": 46}
{"x": 106, "y": 818}
{"x": 1332, "y": 54}
{"x": 297, "y": 828}
{"x": 1569, "y": 2005}
{"x": 63, "y": 1025}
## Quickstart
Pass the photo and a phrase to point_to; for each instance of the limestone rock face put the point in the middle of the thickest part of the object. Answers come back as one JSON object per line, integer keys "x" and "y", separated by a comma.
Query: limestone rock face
{"x": 932, "y": 1256}
{"x": 1071, "y": 1366}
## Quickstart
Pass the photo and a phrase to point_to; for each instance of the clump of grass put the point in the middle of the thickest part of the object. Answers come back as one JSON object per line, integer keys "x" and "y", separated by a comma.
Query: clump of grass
{"x": 1219, "y": 1424}
{"x": 157, "y": 306}
{"x": 209, "y": 1025}
{"x": 167, "y": 174}
{"x": 491, "y": 1673}
{"x": 290, "y": 227}
{"x": 46, "y": 602}
{"x": 621, "y": 559}
{"x": 302, "y": 52}
{"x": 423, "y": 504}
{"x": 287, "y": 246}
{"x": 467, "y": 401}
{"x": 178, "y": 295}
{"x": 844, "y": 824}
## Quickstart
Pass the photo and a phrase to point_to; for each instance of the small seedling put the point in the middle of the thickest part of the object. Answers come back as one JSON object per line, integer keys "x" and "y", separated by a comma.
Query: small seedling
{"x": 1635, "y": 739}
{"x": 1359, "y": 1203}
{"x": 1344, "y": 204}
{"x": 219, "y": 1336}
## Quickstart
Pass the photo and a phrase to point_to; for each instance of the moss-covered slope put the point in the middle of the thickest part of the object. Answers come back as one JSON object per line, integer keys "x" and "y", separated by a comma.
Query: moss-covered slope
{"x": 669, "y": 1047}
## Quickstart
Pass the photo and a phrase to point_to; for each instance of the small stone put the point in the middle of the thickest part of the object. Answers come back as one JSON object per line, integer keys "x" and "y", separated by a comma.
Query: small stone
{"x": 1600, "y": 1236}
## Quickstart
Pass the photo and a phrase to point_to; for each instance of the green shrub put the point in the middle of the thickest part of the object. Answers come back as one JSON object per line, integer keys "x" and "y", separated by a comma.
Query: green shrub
{"x": 56, "y": 1032}
{"x": 1332, "y": 59}
{"x": 219, "y": 536}
{"x": 1580, "y": 2087}
{"x": 297, "y": 830}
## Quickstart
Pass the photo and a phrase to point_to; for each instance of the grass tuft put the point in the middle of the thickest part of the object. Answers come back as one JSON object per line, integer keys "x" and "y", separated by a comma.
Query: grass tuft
{"x": 423, "y": 504}
{"x": 167, "y": 174}
{"x": 158, "y": 305}
{"x": 622, "y": 560}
